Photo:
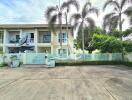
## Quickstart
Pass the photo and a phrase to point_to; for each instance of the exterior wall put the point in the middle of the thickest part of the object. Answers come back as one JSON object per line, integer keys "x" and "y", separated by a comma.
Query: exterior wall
{"x": 39, "y": 47}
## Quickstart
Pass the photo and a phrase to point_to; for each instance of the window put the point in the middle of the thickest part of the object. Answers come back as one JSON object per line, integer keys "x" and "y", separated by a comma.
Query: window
{"x": 32, "y": 35}
{"x": 63, "y": 37}
{"x": 62, "y": 52}
{"x": 17, "y": 38}
{"x": 47, "y": 37}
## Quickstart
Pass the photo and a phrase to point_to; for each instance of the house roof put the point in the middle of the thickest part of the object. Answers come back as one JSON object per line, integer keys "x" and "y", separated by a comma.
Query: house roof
{"x": 30, "y": 26}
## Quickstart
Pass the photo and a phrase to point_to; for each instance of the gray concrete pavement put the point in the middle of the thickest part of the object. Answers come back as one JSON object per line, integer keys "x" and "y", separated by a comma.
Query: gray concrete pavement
{"x": 66, "y": 83}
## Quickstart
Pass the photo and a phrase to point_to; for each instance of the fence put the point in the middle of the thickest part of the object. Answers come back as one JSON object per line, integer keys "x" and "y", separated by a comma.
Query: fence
{"x": 40, "y": 58}
{"x": 100, "y": 57}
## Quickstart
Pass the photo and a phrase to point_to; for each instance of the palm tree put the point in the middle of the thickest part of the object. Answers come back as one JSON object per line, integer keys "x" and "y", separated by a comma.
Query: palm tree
{"x": 115, "y": 19}
{"x": 55, "y": 14}
{"x": 67, "y": 5}
{"x": 82, "y": 19}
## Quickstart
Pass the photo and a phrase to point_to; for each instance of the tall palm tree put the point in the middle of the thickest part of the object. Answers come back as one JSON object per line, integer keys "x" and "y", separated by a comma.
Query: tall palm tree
{"x": 115, "y": 19}
{"x": 67, "y": 5}
{"x": 55, "y": 14}
{"x": 82, "y": 19}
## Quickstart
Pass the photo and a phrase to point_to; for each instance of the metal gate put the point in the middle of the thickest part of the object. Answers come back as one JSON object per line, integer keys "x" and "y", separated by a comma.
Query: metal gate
{"x": 35, "y": 58}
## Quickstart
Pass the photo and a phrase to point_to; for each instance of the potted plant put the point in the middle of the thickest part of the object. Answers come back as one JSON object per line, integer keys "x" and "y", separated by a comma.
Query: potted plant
{"x": 14, "y": 61}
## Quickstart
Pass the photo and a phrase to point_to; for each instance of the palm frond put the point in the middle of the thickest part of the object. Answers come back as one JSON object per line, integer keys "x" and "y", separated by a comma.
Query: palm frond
{"x": 49, "y": 11}
{"x": 75, "y": 25}
{"x": 74, "y": 3}
{"x": 124, "y": 2}
{"x": 52, "y": 22}
{"x": 131, "y": 20}
{"x": 108, "y": 16}
{"x": 94, "y": 10}
{"x": 66, "y": 5}
{"x": 111, "y": 22}
{"x": 85, "y": 9}
{"x": 75, "y": 17}
{"x": 91, "y": 22}
{"x": 111, "y": 2}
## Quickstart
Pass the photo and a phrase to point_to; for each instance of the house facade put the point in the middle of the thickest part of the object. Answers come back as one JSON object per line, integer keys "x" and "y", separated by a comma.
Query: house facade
{"x": 37, "y": 38}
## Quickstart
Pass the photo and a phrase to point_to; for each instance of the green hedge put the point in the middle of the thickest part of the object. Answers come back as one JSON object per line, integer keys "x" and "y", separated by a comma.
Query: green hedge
{"x": 3, "y": 65}
{"x": 127, "y": 64}
{"x": 79, "y": 63}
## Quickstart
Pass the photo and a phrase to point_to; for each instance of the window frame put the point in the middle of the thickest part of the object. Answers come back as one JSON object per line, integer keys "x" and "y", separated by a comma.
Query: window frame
{"x": 64, "y": 39}
{"x": 63, "y": 55}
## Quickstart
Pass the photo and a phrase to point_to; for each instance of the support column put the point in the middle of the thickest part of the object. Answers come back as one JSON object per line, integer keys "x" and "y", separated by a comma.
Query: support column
{"x": 52, "y": 43}
{"x": 5, "y": 41}
{"x": 21, "y": 33}
{"x": 36, "y": 40}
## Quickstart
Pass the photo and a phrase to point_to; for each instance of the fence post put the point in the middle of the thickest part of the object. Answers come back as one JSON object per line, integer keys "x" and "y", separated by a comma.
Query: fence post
{"x": 24, "y": 58}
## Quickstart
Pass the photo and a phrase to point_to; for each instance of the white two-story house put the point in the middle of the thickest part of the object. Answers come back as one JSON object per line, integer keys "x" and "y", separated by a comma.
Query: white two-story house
{"x": 37, "y": 38}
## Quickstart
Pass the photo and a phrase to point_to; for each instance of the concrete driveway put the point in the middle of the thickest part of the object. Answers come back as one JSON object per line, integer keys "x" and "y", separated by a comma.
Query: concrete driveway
{"x": 66, "y": 83}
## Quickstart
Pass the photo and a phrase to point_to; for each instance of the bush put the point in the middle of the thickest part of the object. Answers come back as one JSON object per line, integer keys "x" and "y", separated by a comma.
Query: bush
{"x": 127, "y": 46}
{"x": 3, "y": 65}
{"x": 129, "y": 64}
{"x": 127, "y": 32}
{"x": 107, "y": 44}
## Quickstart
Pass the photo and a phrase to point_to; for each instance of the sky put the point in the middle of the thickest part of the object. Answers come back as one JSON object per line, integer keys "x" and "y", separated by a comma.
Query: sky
{"x": 32, "y": 11}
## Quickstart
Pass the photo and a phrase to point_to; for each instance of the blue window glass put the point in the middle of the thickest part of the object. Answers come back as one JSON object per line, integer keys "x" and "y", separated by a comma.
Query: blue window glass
{"x": 63, "y": 37}
{"x": 47, "y": 37}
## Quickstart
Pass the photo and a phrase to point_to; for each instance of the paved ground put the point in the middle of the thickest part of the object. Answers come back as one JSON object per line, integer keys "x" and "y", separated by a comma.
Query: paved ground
{"x": 66, "y": 83}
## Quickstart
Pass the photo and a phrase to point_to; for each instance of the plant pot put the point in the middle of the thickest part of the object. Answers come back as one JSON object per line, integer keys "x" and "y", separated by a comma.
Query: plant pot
{"x": 15, "y": 64}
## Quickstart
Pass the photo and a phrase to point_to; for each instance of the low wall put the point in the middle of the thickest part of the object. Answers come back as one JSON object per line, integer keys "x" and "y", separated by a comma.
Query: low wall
{"x": 36, "y": 58}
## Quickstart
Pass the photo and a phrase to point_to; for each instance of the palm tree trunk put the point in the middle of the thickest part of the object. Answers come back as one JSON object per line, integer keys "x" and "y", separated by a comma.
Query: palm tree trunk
{"x": 83, "y": 41}
{"x": 120, "y": 23}
{"x": 67, "y": 30}
{"x": 60, "y": 24}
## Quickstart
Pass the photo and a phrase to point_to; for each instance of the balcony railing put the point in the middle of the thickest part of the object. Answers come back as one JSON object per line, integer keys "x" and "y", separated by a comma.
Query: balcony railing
{"x": 28, "y": 41}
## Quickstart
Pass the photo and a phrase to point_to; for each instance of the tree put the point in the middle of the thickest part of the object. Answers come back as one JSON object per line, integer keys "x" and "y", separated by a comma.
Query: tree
{"x": 115, "y": 19}
{"x": 107, "y": 44}
{"x": 66, "y": 6}
{"x": 55, "y": 14}
{"x": 88, "y": 32}
{"x": 82, "y": 19}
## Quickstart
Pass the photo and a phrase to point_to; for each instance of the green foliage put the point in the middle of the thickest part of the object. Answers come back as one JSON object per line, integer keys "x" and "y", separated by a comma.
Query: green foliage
{"x": 127, "y": 32}
{"x": 88, "y": 34}
{"x": 79, "y": 63}
{"x": 107, "y": 44}
{"x": 1, "y": 50}
{"x": 129, "y": 64}
{"x": 127, "y": 46}
{"x": 116, "y": 33}
{"x": 3, "y": 64}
